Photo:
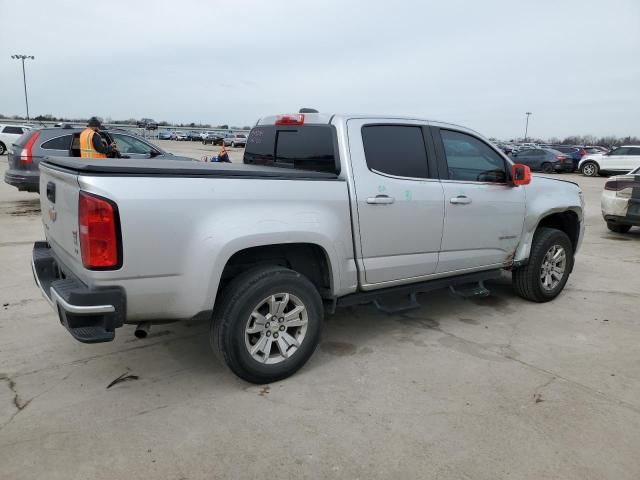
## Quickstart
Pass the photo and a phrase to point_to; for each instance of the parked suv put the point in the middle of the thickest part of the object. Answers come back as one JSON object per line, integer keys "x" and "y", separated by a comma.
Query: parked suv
{"x": 235, "y": 140}
{"x": 9, "y": 134}
{"x": 29, "y": 149}
{"x": 618, "y": 160}
{"x": 545, "y": 160}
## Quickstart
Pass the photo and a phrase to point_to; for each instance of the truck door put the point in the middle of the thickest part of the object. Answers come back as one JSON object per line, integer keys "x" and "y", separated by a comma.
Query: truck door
{"x": 399, "y": 200}
{"x": 484, "y": 213}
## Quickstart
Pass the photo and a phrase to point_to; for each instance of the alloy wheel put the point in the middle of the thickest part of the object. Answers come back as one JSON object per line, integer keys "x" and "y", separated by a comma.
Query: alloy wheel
{"x": 276, "y": 328}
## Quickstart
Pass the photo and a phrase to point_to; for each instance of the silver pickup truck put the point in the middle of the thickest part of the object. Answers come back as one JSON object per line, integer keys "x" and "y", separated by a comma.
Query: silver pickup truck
{"x": 324, "y": 211}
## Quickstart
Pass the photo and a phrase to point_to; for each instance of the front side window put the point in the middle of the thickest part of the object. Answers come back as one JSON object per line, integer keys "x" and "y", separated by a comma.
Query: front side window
{"x": 634, "y": 151}
{"x": 59, "y": 143}
{"x": 127, "y": 144}
{"x": 397, "y": 150}
{"x": 470, "y": 159}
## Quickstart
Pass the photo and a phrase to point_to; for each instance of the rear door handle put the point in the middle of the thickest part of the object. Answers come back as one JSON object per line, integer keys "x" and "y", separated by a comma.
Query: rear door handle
{"x": 460, "y": 200}
{"x": 381, "y": 200}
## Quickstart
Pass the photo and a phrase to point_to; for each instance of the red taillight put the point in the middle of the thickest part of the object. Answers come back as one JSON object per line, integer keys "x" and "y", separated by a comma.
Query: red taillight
{"x": 98, "y": 218}
{"x": 562, "y": 158}
{"x": 26, "y": 156}
{"x": 292, "y": 119}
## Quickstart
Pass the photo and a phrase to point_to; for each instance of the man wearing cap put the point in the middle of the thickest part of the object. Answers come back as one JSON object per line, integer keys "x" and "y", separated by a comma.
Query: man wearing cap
{"x": 92, "y": 145}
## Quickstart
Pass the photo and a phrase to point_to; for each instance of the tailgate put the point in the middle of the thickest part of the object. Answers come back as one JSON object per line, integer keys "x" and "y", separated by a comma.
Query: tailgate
{"x": 59, "y": 193}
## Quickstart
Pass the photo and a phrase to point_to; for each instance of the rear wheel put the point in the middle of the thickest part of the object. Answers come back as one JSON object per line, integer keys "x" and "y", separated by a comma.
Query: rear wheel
{"x": 233, "y": 144}
{"x": 267, "y": 324}
{"x": 547, "y": 167}
{"x": 590, "y": 169}
{"x": 549, "y": 267}
{"x": 2, "y": 148}
{"x": 618, "y": 227}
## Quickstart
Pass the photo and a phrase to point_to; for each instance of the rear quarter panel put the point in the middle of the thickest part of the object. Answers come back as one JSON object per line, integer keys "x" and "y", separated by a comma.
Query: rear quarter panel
{"x": 178, "y": 233}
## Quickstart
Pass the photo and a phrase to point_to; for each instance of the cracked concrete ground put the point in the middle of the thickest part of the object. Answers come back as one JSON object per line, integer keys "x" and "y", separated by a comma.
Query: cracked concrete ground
{"x": 493, "y": 388}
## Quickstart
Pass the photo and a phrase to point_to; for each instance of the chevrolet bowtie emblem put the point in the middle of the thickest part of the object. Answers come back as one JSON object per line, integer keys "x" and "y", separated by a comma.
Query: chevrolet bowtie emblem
{"x": 53, "y": 214}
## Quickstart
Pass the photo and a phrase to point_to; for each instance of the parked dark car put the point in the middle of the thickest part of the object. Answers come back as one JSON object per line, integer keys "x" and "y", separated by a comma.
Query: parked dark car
{"x": 148, "y": 124}
{"x": 25, "y": 154}
{"x": 575, "y": 152}
{"x": 165, "y": 135}
{"x": 545, "y": 160}
{"x": 194, "y": 136}
{"x": 213, "y": 138}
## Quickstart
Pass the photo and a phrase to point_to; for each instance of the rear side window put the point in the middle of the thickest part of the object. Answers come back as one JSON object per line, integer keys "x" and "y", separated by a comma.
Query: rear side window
{"x": 14, "y": 130}
{"x": 634, "y": 151}
{"x": 59, "y": 143}
{"x": 310, "y": 147}
{"x": 397, "y": 150}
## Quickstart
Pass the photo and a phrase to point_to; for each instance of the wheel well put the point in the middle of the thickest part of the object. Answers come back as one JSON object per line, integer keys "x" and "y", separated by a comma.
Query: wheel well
{"x": 306, "y": 258}
{"x": 566, "y": 222}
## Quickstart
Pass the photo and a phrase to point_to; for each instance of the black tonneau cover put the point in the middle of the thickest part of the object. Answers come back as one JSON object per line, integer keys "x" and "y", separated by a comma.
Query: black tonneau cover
{"x": 178, "y": 168}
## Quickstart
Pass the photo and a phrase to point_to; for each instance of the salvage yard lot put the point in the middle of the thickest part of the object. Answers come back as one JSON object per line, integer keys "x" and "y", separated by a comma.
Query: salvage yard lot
{"x": 483, "y": 389}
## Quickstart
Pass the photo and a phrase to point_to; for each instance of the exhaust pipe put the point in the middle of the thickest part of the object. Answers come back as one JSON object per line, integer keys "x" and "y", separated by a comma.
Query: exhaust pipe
{"x": 142, "y": 330}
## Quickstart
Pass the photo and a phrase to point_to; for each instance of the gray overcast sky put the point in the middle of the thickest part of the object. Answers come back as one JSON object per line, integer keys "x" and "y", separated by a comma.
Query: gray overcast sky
{"x": 574, "y": 64}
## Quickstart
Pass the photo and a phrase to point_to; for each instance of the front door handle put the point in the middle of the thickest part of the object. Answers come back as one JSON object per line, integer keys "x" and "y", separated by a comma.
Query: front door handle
{"x": 460, "y": 200}
{"x": 381, "y": 200}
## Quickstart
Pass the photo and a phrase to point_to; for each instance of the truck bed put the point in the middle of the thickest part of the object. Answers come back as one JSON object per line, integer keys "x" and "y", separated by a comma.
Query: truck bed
{"x": 176, "y": 168}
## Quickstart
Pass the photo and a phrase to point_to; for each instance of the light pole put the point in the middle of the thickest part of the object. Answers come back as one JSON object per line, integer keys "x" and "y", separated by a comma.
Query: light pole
{"x": 526, "y": 127}
{"x": 24, "y": 77}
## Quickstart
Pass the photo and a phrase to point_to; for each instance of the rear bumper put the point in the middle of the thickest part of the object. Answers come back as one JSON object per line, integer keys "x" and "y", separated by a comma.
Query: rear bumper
{"x": 91, "y": 315}
{"x": 27, "y": 181}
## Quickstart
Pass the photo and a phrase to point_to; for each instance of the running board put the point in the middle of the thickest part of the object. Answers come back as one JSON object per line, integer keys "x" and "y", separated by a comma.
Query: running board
{"x": 470, "y": 290}
{"x": 468, "y": 283}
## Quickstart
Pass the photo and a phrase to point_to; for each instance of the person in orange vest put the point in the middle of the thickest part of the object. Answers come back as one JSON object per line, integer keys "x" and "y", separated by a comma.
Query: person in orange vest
{"x": 222, "y": 155}
{"x": 92, "y": 145}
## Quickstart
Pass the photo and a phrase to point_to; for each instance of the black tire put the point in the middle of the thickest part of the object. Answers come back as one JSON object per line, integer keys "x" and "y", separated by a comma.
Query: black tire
{"x": 590, "y": 169}
{"x": 2, "y": 148}
{"x": 547, "y": 167}
{"x": 526, "y": 280}
{"x": 618, "y": 227}
{"x": 234, "y": 308}
{"x": 233, "y": 144}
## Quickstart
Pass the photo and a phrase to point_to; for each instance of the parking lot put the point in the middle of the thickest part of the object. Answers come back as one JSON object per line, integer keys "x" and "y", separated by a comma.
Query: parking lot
{"x": 486, "y": 388}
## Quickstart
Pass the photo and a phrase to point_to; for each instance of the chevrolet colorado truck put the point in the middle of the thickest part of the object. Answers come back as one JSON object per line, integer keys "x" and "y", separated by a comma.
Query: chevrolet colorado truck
{"x": 324, "y": 211}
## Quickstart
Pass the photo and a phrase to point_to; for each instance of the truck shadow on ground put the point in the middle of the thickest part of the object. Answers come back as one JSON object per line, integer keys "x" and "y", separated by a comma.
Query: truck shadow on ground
{"x": 350, "y": 332}
{"x": 20, "y": 208}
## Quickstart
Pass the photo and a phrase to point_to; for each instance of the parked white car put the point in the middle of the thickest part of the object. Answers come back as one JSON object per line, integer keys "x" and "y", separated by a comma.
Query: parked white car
{"x": 620, "y": 160}
{"x": 9, "y": 134}
{"x": 620, "y": 202}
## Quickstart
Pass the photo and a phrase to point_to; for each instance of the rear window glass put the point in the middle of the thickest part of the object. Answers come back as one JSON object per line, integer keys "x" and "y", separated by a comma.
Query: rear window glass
{"x": 310, "y": 147}
{"x": 59, "y": 143}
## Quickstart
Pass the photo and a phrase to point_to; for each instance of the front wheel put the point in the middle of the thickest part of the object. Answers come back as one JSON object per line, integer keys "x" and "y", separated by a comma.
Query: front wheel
{"x": 2, "y": 148}
{"x": 233, "y": 144}
{"x": 590, "y": 169}
{"x": 267, "y": 324}
{"x": 618, "y": 227}
{"x": 549, "y": 267}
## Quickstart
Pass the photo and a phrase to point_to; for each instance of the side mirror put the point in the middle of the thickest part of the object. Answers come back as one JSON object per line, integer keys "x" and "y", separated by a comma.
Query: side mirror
{"x": 520, "y": 174}
{"x": 153, "y": 153}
